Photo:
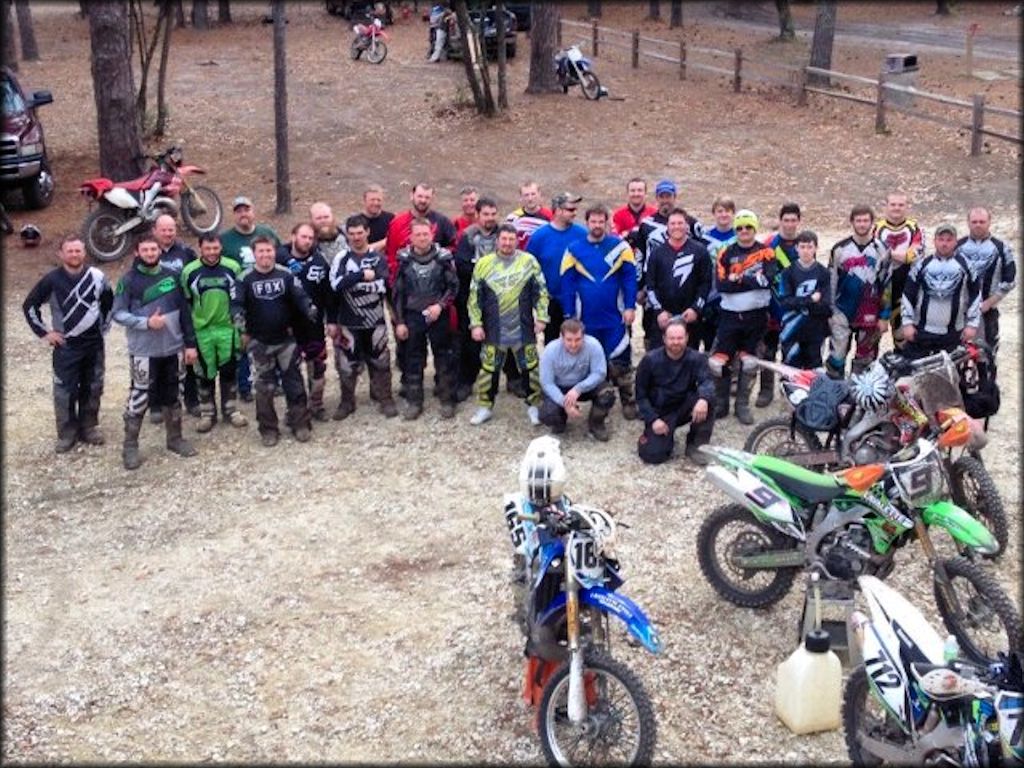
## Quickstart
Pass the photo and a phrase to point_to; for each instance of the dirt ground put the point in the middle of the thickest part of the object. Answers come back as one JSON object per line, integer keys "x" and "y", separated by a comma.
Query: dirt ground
{"x": 347, "y": 599}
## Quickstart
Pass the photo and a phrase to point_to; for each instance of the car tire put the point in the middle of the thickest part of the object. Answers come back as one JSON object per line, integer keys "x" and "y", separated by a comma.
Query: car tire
{"x": 39, "y": 190}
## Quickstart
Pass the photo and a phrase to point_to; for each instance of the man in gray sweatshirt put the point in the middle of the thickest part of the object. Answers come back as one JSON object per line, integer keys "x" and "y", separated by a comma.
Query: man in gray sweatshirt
{"x": 573, "y": 370}
{"x": 150, "y": 304}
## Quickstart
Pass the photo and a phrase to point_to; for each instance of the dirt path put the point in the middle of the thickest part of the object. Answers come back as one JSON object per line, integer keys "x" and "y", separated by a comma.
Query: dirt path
{"x": 347, "y": 599}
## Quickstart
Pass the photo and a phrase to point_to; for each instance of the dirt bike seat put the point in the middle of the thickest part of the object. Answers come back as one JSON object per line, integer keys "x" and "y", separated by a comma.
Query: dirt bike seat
{"x": 799, "y": 481}
{"x": 135, "y": 185}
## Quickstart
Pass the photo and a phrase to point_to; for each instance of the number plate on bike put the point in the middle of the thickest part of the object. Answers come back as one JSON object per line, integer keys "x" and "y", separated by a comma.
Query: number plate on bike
{"x": 585, "y": 558}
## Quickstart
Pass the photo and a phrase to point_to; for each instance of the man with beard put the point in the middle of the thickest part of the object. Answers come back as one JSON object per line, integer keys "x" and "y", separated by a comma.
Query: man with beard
{"x": 303, "y": 259}
{"x": 478, "y": 240}
{"x": 236, "y": 244}
{"x": 151, "y": 306}
{"x": 599, "y": 272}
{"x": 376, "y": 217}
{"x": 209, "y": 283}
{"x": 80, "y": 300}
{"x": 941, "y": 299}
{"x": 330, "y": 240}
{"x": 547, "y": 245}
{"x": 678, "y": 280}
{"x": 267, "y": 305}
{"x": 905, "y": 241}
{"x": 359, "y": 280}
{"x": 863, "y": 302}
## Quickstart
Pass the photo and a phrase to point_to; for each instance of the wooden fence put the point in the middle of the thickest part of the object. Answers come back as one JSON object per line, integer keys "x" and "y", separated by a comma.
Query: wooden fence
{"x": 800, "y": 81}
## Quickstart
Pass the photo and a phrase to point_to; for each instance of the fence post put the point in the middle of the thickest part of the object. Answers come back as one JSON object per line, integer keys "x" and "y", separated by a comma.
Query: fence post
{"x": 558, "y": 34}
{"x": 593, "y": 37}
{"x": 972, "y": 30}
{"x": 737, "y": 78}
{"x": 801, "y": 87}
{"x": 636, "y": 48}
{"x": 682, "y": 59}
{"x": 977, "y": 120}
{"x": 880, "y": 105}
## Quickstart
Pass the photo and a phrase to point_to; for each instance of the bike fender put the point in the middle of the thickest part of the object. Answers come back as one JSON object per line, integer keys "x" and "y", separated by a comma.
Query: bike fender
{"x": 619, "y": 606}
{"x": 961, "y": 526}
{"x": 185, "y": 170}
{"x": 121, "y": 198}
{"x": 758, "y": 496}
{"x": 549, "y": 552}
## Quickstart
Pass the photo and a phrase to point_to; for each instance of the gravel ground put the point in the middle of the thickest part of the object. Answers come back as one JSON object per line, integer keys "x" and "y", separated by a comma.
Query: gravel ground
{"x": 348, "y": 599}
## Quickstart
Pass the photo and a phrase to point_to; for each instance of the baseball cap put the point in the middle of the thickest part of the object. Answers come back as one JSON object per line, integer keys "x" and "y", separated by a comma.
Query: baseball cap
{"x": 665, "y": 187}
{"x": 241, "y": 200}
{"x": 945, "y": 229}
{"x": 564, "y": 198}
{"x": 745, "y": 218}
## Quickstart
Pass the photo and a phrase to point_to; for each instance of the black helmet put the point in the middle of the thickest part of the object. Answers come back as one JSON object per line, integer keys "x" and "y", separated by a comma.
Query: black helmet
{"x": 30, "y": 235}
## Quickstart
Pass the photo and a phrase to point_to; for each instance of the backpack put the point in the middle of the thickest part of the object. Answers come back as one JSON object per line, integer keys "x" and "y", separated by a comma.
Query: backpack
{"x": 820, "y": 409}
{"x": 979, "y": 390}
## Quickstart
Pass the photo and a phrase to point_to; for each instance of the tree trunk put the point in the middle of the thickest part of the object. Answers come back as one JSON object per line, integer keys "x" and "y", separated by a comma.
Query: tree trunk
{"x": 943, "y": 7}
{"x": 733, "y": 9}
{"x": 654, "y": 11}
{"x": 161, "y": 83}
{"x": 223, "y": 11}
{"x": 284, "y": 184}
{"x": 83, "y": 10}
{"x": 179, "y": 14}
{"x": 676, "y": 18}
{"x": 593, "y": 9}
{"x": 146, "y": 50}
{"x": 500, "y": 28}
{"x": 821, "y": 44}
{"x": 29, "y": 49}
{"x": 474, "y": 62}
{"x": 10, "y": 51}
{"x": 200, "y": 14}
{"x": 786, "y": 30}
{"x": 543, "y": 46}
{"x": 120, "y": 146}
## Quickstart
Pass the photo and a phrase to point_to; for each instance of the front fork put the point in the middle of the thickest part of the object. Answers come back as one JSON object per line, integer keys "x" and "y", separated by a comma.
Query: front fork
{"x": 577, "y": 696}
{"x": 938, "y": 566}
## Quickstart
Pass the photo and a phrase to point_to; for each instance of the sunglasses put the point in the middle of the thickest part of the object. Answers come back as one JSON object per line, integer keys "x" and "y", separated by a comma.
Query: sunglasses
{"x": 745, "y": 227}
{"x": 570, "y": 210}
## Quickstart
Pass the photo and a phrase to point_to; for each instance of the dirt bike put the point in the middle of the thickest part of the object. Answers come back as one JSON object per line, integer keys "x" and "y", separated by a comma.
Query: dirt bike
{"x": 590, "y": 706}
{"x": 885, "y": 408}
{"x": 786, "y": 519}
{"x": 573, "y": 68}
{"x": 127, "y": 207}
{"x": 913, "y": 702}
{"x": 371, "y": 38}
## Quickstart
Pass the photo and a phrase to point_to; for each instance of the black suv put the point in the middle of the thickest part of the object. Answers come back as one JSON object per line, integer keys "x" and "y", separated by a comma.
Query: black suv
{"x": 488, "y": 22}
{"x": 23, "y": 160}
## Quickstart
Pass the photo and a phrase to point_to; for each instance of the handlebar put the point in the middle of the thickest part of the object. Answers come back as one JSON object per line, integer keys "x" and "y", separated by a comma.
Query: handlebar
{"x": 897, "y": 364}
{"x": 559, "y": 519}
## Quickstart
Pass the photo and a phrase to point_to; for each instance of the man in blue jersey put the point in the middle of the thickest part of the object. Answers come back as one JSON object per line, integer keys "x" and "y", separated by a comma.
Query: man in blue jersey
{"x": 547, "y": 245}
{"x": 598, "y": 286}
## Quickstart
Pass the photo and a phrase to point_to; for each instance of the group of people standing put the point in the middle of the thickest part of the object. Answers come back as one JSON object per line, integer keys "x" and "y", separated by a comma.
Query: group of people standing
{"x": 255, "y": 317}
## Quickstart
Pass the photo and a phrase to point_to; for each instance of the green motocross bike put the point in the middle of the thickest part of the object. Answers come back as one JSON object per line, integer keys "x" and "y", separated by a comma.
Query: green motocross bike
{"x": 787, "y": 519}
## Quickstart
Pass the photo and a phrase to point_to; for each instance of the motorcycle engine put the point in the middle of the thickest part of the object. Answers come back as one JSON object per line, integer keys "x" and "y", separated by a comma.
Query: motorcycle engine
{"x": 846, "y": 554}
{"x": 876, "y": 446}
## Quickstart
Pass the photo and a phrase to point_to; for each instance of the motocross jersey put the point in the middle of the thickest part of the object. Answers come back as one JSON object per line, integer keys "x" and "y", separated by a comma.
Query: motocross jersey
{"x": 400, "y": 229}
{"x": 267, "y": 304}
{"x": 314, "y": 273}
{"x": 359, "y": 304}
{"x": 504, "y": 295}
{"x": 993, "y": 264}
{"x": 330, "y": 246}
{"x": 652, "y": 232}
{"x": 905, "y": 242}
{"x": 422, "y": 280}
{"x": 177, "y": 256}
{"x": 598, "y": 282}
{"x": 548, "y": 246}
{"x": 756, "y": 267}
{"x": 678, "y": 279}
{"x": 527, "y": 223}
{"x": 861, "y": 281}
{"x": 209, "y": 289}
{"x": 626, "y": 220}
{"x": 941, "y": 296}
{"x": 785, "y": 254}
{"x": 140, "y": 293}
{"x": 80, "y": 304}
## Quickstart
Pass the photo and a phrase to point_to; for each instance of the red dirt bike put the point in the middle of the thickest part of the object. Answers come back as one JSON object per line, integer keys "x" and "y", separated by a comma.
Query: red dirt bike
{"x": 126, "y": 207}
{"x": 371, "y": 38}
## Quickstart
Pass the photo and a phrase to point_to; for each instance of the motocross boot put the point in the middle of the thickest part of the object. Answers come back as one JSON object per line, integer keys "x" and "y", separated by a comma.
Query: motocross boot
{"x": 130, "y": 451}
{"x": 722, "y": 385}
{"x": 172, "y": 423}
{"x": 380, "y": 388}
{"x": 347, "y": 404}
{"x": 743, "y": 389}
{"x": 767, "y": 391}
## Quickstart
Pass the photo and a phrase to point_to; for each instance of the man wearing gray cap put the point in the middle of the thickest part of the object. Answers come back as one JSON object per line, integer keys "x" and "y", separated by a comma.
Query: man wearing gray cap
{"x": 236, "y": 244}
{"x": 941, "y": 304}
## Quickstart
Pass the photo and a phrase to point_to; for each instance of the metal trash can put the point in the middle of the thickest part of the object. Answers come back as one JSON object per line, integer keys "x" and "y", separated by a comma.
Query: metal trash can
{"x": 900, "y": 69}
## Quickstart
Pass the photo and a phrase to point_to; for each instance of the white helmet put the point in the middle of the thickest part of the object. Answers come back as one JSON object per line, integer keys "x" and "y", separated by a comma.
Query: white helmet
{"x": 542, "y": 472}
{"x": 872, "y": 388}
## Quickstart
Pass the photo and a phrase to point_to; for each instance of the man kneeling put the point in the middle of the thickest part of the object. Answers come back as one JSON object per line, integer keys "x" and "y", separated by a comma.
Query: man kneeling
{"x": 572, "y": 371}
{"x": 674, "y": 387}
